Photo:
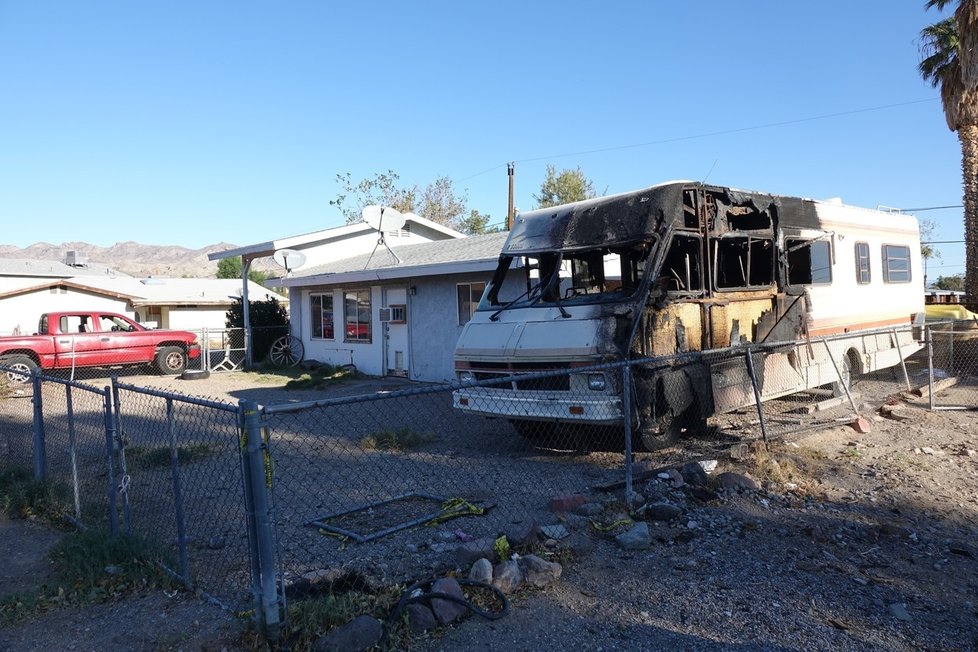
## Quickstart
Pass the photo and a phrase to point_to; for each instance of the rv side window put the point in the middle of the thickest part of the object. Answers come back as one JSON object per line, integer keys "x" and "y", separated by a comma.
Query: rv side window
{"x": 681, "y": 268}
{"x": 809, "y": 262}
{"x": 743, "y": 262}
{"x": 896, "y": 264}
{"x": 862, "y": 263}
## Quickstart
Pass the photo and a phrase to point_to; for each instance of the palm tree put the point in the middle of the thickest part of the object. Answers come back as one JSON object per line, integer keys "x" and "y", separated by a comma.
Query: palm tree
{"x": 950, "y": 63}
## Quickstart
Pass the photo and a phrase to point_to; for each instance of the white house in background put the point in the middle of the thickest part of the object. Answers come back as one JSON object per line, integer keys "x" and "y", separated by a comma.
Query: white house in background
{"x": 29, "y": 288}
{"x": 391, "y": 317}
{"x": 343, "y": 242}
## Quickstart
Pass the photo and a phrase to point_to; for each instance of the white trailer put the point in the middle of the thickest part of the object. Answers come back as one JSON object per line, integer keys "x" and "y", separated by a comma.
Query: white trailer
{"x": 682, "y": 268}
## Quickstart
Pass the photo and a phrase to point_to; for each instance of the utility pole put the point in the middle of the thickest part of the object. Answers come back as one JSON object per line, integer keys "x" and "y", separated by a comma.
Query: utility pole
{"x": 511, "y": 171}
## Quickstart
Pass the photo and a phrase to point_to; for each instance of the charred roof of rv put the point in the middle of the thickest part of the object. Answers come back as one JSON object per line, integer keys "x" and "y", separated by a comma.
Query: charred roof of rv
{"x": 627, "y": 218}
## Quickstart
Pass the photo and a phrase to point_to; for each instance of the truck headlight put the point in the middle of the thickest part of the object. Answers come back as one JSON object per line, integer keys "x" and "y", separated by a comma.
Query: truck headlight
{"x": 596, "y": 382}
{"x": 466, "y": 376}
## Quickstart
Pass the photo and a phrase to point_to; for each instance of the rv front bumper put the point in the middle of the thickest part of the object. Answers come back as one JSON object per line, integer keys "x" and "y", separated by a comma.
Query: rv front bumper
{"x": 538, "y": 406}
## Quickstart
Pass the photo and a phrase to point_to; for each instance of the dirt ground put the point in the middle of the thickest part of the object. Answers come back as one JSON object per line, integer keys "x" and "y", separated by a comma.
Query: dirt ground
{"x": 855, "y": 541}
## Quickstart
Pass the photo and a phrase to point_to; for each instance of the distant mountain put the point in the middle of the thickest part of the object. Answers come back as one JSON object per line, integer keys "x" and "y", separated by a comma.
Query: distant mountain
{"x": 134, "y": 258}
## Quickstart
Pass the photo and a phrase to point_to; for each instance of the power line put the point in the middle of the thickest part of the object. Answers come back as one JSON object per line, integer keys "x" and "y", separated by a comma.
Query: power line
{"x": 677, "y": 139}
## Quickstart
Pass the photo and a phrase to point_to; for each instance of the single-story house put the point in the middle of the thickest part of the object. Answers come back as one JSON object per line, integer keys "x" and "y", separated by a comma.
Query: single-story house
{"x": 339, "y": 243}
{"x": 29, "y": 288}
{"x": 393, "y": 316}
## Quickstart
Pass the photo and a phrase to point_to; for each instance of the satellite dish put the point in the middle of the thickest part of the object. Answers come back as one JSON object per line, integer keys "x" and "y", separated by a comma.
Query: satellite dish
{"x": 382, "y": 218}
{"x": 289, "y": 259}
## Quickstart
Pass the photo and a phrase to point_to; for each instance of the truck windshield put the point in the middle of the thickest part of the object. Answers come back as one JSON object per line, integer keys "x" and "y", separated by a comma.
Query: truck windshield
{"x": 568, "y": 278}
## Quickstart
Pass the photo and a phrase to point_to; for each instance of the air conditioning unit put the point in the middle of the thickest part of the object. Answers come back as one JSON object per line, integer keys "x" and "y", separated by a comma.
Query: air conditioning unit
{"x": 385, "y": 315}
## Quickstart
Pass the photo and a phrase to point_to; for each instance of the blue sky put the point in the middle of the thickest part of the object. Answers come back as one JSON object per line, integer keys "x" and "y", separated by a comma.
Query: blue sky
{"x": 190, "y": 123}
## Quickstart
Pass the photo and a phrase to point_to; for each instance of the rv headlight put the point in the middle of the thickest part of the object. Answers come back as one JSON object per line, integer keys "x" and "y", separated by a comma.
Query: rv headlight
{"x": 596, "y": 382}
{"x": 466, "y": 376}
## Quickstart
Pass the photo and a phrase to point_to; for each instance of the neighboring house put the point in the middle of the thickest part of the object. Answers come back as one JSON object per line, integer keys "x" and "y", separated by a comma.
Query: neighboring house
{"x": 30, "y": 288}
{"x": 356, "y": 241}
{"x": 389, "y": 317}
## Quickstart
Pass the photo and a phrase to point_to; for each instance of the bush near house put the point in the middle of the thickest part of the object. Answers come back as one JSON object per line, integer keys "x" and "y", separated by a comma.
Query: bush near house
{"x": 269, "y": 321}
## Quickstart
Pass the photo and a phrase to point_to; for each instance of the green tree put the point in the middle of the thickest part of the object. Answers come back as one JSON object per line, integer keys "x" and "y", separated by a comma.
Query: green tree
{"x": 269, "y": 321}
{"x": 564, "y": 187}
{"x": 955, "y": 283}
{"x": 438, "y": 201}
{"x": 231, "y": 268}
{"x": 949, "y": 50}
{"x": 477, "y": 223}
{"x": 382, "y": 189}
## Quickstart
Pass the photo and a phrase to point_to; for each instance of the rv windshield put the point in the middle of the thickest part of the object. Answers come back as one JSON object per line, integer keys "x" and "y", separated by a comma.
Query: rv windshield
{"x": 568, "y": 278}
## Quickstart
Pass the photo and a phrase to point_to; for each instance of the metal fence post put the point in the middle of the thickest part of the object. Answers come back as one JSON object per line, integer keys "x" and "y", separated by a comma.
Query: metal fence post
{"x": 757, "y": 393}
{"x": 177, "y": 495}
{"x": 930, "y": 369}
{"x": 40, "y": 452}
{"x": 257, "y": 486}
{"x": 120, "y": 447}
{"x": 73, "y": 452}
{"x": 109, "y": 415}
{"x": 626, "y": 407}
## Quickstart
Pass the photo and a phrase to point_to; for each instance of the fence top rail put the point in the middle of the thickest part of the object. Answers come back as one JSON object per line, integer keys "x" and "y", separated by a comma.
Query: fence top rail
{"x": 69, "y": 383}
{"x": 174, "y": 396}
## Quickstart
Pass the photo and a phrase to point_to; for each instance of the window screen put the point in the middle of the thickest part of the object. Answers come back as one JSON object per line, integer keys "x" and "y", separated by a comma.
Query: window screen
{"x": 862, "y": 263}
{"x": 896, "y": 264}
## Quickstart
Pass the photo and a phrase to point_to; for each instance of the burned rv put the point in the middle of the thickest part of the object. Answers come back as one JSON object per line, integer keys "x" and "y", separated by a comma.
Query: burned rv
{"x": 688, "y": 274}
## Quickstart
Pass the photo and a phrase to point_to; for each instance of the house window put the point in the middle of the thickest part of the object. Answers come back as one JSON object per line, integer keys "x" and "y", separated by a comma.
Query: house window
{"x": 356, "y": 307}
{"x": 809, "y": 262}
{"x": 743, "y": 262}
{"x": 862, "y": 263}
{"x": 321, "y": 308}
{"x": 468, "y": 300}
{"x": 896, "y": 264}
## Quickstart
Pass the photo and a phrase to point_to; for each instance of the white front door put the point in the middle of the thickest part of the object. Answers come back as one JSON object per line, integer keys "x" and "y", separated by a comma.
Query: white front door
{"x": 396, "y": 332}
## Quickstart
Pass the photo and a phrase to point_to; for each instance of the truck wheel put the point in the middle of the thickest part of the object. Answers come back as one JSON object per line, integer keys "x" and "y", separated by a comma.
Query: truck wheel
{"x": 171, "y": 360}
{"x": 18, "y": 368}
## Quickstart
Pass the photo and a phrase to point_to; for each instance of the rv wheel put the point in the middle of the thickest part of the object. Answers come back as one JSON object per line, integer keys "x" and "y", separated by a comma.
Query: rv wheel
{"x": 656, "y": 434}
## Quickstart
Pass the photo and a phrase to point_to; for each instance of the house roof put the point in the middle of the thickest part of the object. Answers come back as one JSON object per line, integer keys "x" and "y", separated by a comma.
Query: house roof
{"x": 54, "y": 268}
{"x": 264, "y": 249}
{"x": 472, "y": 254}
{"x": 158, "y": 291}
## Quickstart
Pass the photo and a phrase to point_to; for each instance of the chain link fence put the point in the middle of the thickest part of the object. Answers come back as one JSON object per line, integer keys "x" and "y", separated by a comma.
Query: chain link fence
{"x": 248, "y": 498}
{"x": 953, "y": 365}
{"x": 102, "y": 354}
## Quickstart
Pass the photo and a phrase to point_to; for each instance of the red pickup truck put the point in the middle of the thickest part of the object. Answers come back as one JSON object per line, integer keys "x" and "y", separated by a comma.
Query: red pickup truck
{"x": 65, "y": 340}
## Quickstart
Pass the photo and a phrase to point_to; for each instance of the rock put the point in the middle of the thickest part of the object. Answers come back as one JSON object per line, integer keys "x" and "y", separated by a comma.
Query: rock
{"x": 539, "y": 572}
{"x": 739, "y": 452}
{"x": 736, "y": 481}
{"x": 899, "y": 611}
{"x": 566, "y": 503}
{"x": 709, "y": 466}
{"x": 658, "y": 512}
{"x": 447, "y": 611}
{"x": 361, "y": 633}
{"x": 468, "y": 553}
{"x": 861, "y": 425}
{"x": 522, "y": 532}
{"x": 580, "y": 545}
{"x": 507, "y": 577}
{"x": 589, "y": 509}
{"x": 554, "y": 531}
{"x": 481, "y": 571}
{"x": 637, "y": 538}
{"x": 673, "y": 477}
{"x": 694, "y": 474}
{"x": 420, "y": 618}
{"x": 216, "y": 542}
{"x": 324, "y": 575}
{"x": 442, "y": 547}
